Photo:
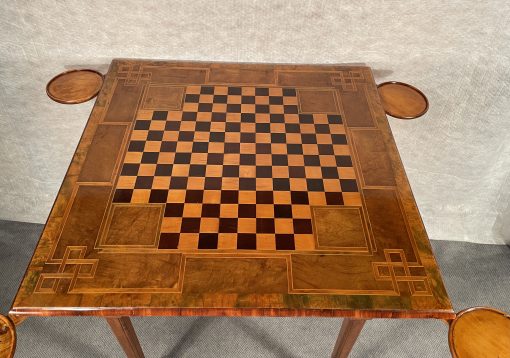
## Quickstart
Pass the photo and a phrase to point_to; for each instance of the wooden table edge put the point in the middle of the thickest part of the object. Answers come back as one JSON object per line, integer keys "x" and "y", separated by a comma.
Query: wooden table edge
{"x": 236, "y": 312}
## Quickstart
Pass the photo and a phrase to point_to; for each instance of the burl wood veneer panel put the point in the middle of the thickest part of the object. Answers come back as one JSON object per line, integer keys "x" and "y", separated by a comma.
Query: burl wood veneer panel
{"x": 235, "y": 189}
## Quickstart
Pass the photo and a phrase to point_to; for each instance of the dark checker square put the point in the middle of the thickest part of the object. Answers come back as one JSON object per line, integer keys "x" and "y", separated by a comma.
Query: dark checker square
{"x": 308, "y": 138}
{"x": 314, "y": 185}
{"x": 229, "y": 197}
{"x": 262, "y": 127}
{"x": 168, "y": 241}
{"x": 232, "y": 127}
{"x": 233, "y": 108}
{"x": 159, "y": 115}
{"x": 264, "y": 197}
{"x": 261, "y": 91}
{"x": 217, "y": 137}
{"x": 265, "y": 226}
{"x": 174, "y": 210}
{"x": 264, "y": 171}
{"x": 122, "y": 195}
{"x": 280, "y": 159}
{"x": 189, "y": 116}
{"x": 247, "y": 184}
{"x": 142, "y": 125}
{"x": 248, "y": 117}
{"x": 150, "y": 157}
{"x": 215, "y": 158}
{"x": 205, "y": 107}
{"x": 302, "y": 226}
{"x": 291, "y": 92}
{"x": 136, "y": 146}
{"x": 212, "y": 184}
{"x": 182, "y": 158}
{"x": 339, "y": 139}
{"x": 285, "y": 242}
{"x": 248, "y": 100}
{"x": 292, "y": 128}
{"x": 275, "y": 100}
{"x": 294, "y": 149}
{"x": 172, "y": 126}
{"x": 278, "y": 137}
{"x": 248, "y": 159}
{"x": 218, "y": 117}
{"x": 186, "y": 136}
{"x": 290, "y": 109}
{"x": 247, "y": 210}
{"x": 200, "y": 147}
{"x": 190, "y": 225}
{"x": 231, "y": 171}
{"x": 158, "y": 196}
{"x": 194, "y": 196}
{"x": 155, "y": 135}
{"x": 297, "y": 172}
{"x": 247, "y": 137}
{"x": 246, "y": 241}
{"x": 276, "y": 118}
{"x": 203, "y": 126}
{"x": 334, "y": 119}
{"x": 208, "y": 241}
{"x": 207, "y": 90}
{"x": 325, "y": 149}
{"x": 234, "y": 91}
{"x": 299, "y": 197}
{"x": 130, "y": 169}
{"x": 262, "y": 108}
{"x": 232, "y": 147}
{"x": 306, "y": 118}
{"x": 192, "y": 98}
{"x": 329, "y": 172}
{"x": 281, "y": 184}
{"x": 168, "y": 147}
{"x": 334, "y": 199}
{"x": 163, "y": 170}
{"x": 282, "y": 211}
{"x": 178, "y": 182}
{"x": 143, "y": 182}
{"x": 220, "y": 98}
{"x": 228, "y": 225}
{"x": 263, "y": 148}
{"x": 312, "y": 160}
{"x": 211, "y": 210}
{"x": 343, "y": 161}
{"x": 348, "y": 185}
{"x": 197, "y": 170}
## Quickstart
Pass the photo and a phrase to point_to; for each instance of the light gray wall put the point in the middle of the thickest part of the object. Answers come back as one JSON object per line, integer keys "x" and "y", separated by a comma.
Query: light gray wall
{"x": 458, "y": 52}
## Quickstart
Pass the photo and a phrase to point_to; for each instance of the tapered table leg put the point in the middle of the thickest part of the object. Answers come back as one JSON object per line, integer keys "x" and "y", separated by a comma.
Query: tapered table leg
{"x": 349, "y": 332}
{"x": 126, "y": 335}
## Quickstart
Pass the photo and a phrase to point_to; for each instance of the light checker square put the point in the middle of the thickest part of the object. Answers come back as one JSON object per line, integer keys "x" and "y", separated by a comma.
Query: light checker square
{"x": 238, "y": 168}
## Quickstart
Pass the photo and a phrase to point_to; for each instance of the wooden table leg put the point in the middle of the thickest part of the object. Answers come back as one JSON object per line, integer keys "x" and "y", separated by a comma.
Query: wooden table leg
{"x": 349, "y": 332}
{"x": 126, "y": 335}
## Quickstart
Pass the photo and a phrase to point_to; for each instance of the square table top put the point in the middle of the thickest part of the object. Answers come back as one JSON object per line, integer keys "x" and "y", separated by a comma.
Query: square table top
{"x": 235, "y": 189}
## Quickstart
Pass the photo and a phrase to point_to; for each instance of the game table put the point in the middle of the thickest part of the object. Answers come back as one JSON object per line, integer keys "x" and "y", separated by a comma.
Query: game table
{"x": 213, "y": 189}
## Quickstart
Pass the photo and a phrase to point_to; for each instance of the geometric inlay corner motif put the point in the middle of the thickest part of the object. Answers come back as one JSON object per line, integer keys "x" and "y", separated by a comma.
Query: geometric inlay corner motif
{"x": 397, "y": 270}
{"x": 72, "y": 266}
{"x": 133, "y": 74}
{"x": 347, "y": 80}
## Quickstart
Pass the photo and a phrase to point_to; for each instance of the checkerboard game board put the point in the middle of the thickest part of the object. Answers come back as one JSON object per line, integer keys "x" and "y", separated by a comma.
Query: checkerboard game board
{"x": 238, "y": 168}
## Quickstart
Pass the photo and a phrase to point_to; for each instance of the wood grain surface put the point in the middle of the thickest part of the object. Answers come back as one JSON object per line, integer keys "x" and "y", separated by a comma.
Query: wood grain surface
{"x": 75, "y": 86}
{"x": 7, "y": 337}
{"x": 235, "y": 189}
{"x": 480, "y": 332}
{"x": 402, "y": 100}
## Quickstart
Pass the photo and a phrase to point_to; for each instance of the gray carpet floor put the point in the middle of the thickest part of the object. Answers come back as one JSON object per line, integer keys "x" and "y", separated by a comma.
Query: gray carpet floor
{"x": 474, "y": 275}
